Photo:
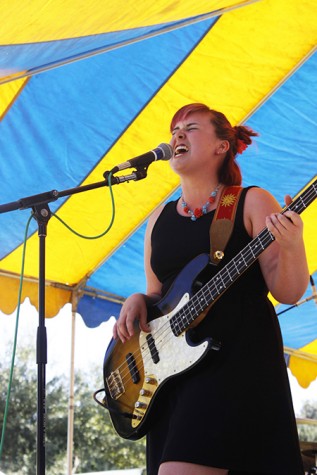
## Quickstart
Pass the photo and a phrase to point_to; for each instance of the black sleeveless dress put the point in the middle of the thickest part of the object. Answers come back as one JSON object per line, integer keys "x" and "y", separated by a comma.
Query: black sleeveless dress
{"x": 234, "y": 409}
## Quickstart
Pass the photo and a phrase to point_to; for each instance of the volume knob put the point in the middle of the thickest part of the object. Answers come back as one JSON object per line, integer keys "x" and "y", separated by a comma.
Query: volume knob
{"x": 140, "y": 405}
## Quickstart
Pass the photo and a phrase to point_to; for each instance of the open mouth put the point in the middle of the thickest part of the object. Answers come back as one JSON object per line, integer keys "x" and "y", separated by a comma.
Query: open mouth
{"x": 180, "y": 150}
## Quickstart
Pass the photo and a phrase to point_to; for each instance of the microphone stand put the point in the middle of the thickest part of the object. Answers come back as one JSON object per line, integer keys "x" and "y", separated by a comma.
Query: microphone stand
{"x": 42, "y": 214}
{"x": 297, "y": 304}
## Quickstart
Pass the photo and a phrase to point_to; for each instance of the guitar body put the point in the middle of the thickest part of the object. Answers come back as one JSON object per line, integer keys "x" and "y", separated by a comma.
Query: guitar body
{"x": 134, "y": 372}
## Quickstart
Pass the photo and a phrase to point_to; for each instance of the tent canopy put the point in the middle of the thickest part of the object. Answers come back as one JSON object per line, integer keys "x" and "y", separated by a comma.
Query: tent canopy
{"x": 79, "y": 97}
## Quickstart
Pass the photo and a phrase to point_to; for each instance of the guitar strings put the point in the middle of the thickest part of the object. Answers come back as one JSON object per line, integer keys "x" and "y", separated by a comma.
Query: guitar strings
{"x": 265, "y": 238}
{"x": 185, "y": 314}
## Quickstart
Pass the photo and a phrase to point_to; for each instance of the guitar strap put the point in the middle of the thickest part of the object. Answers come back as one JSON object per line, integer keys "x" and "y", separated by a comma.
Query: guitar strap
{"x": 223, "y": 221}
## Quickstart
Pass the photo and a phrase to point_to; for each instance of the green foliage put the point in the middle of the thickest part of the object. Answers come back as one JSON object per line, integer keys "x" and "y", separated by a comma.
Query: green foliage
{"x": 96, "y": 445}
{"x": 103, "y": 447}
{"x": 307, "y": 432}
{"x": 20, "y": 436}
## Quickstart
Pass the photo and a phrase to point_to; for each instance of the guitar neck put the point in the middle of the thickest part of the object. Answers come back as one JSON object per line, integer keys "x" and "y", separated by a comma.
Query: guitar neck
{"x": 213, "y": 289}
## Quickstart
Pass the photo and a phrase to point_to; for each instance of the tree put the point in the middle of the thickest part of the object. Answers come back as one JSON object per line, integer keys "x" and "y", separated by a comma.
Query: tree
{"x": 101, "y": 448}
{"x": 20, "y": 436}
{"x": 96, "y": 445}
{"x": 307, "y": 432}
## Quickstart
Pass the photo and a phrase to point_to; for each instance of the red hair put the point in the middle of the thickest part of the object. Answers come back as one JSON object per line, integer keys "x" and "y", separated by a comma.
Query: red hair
{"x": 239, "y": 137}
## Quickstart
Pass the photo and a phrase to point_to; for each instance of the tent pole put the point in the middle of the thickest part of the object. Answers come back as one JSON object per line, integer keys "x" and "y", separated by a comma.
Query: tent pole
{"x": 70, "y": 427}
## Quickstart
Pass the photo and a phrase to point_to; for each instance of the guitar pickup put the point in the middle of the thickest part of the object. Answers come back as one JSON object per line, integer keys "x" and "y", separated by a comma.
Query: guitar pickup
{"x": 153, "y": 350}
{"x": 135, "y": 375}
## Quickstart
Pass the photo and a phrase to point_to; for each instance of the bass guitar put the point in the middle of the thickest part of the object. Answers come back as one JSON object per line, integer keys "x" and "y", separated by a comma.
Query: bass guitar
{"x": 135, "y": 372}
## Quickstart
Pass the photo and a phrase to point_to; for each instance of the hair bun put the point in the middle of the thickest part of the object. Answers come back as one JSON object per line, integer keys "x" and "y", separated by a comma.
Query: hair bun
{"x": 241, "y": 146}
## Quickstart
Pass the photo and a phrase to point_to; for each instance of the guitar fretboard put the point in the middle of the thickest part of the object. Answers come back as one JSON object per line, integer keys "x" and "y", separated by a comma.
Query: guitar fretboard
{"x": 211, "y": 291}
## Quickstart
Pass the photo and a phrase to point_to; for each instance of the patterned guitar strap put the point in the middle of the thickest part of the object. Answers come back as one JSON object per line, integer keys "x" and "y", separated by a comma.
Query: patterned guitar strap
{"x": 223, "y": 221}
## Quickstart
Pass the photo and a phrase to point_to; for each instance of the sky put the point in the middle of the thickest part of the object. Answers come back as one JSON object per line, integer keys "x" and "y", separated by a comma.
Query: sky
{"x": 90, "y": 343}
{"x": 90, "y": 346}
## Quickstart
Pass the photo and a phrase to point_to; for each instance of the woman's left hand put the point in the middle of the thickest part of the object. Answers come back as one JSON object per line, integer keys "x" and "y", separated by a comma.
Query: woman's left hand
{"x": 286, "y": 228}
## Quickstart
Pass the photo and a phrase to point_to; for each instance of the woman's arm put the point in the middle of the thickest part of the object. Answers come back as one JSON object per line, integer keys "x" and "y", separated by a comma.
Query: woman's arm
{"x": 283, "y": 263}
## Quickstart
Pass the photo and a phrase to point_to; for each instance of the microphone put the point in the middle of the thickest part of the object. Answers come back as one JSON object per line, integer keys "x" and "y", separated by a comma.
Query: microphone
{"x": 312, "y": 283}
{"x": 163, "y": 152}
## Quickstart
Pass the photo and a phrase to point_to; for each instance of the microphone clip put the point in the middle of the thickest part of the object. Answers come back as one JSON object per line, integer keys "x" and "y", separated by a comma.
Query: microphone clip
{"x": 139, "y": 174}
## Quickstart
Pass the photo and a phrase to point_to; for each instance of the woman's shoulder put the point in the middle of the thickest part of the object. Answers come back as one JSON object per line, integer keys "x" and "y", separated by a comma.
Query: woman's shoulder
{"x": 261, "y": 198}
{"x": 259, "y": 203}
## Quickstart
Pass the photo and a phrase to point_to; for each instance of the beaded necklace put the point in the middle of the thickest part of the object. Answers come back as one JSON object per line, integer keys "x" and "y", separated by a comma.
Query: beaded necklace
{"x": 198, "y": 212}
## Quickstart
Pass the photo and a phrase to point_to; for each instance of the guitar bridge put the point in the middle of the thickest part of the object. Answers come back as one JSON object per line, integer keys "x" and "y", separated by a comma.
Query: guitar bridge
{"x": 115, "y": 384}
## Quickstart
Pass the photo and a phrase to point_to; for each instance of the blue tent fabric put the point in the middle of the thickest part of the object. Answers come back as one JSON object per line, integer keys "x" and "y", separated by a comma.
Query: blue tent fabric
{"x": 35, "y": 57}
{"x": 294, "y": 335}
{"x": 96, "y": 309}
{"x": 44, "y": 133}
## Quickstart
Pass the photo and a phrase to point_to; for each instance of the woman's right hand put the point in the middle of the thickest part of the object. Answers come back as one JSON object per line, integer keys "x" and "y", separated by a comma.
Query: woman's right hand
{"x": 134, "y": 308}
